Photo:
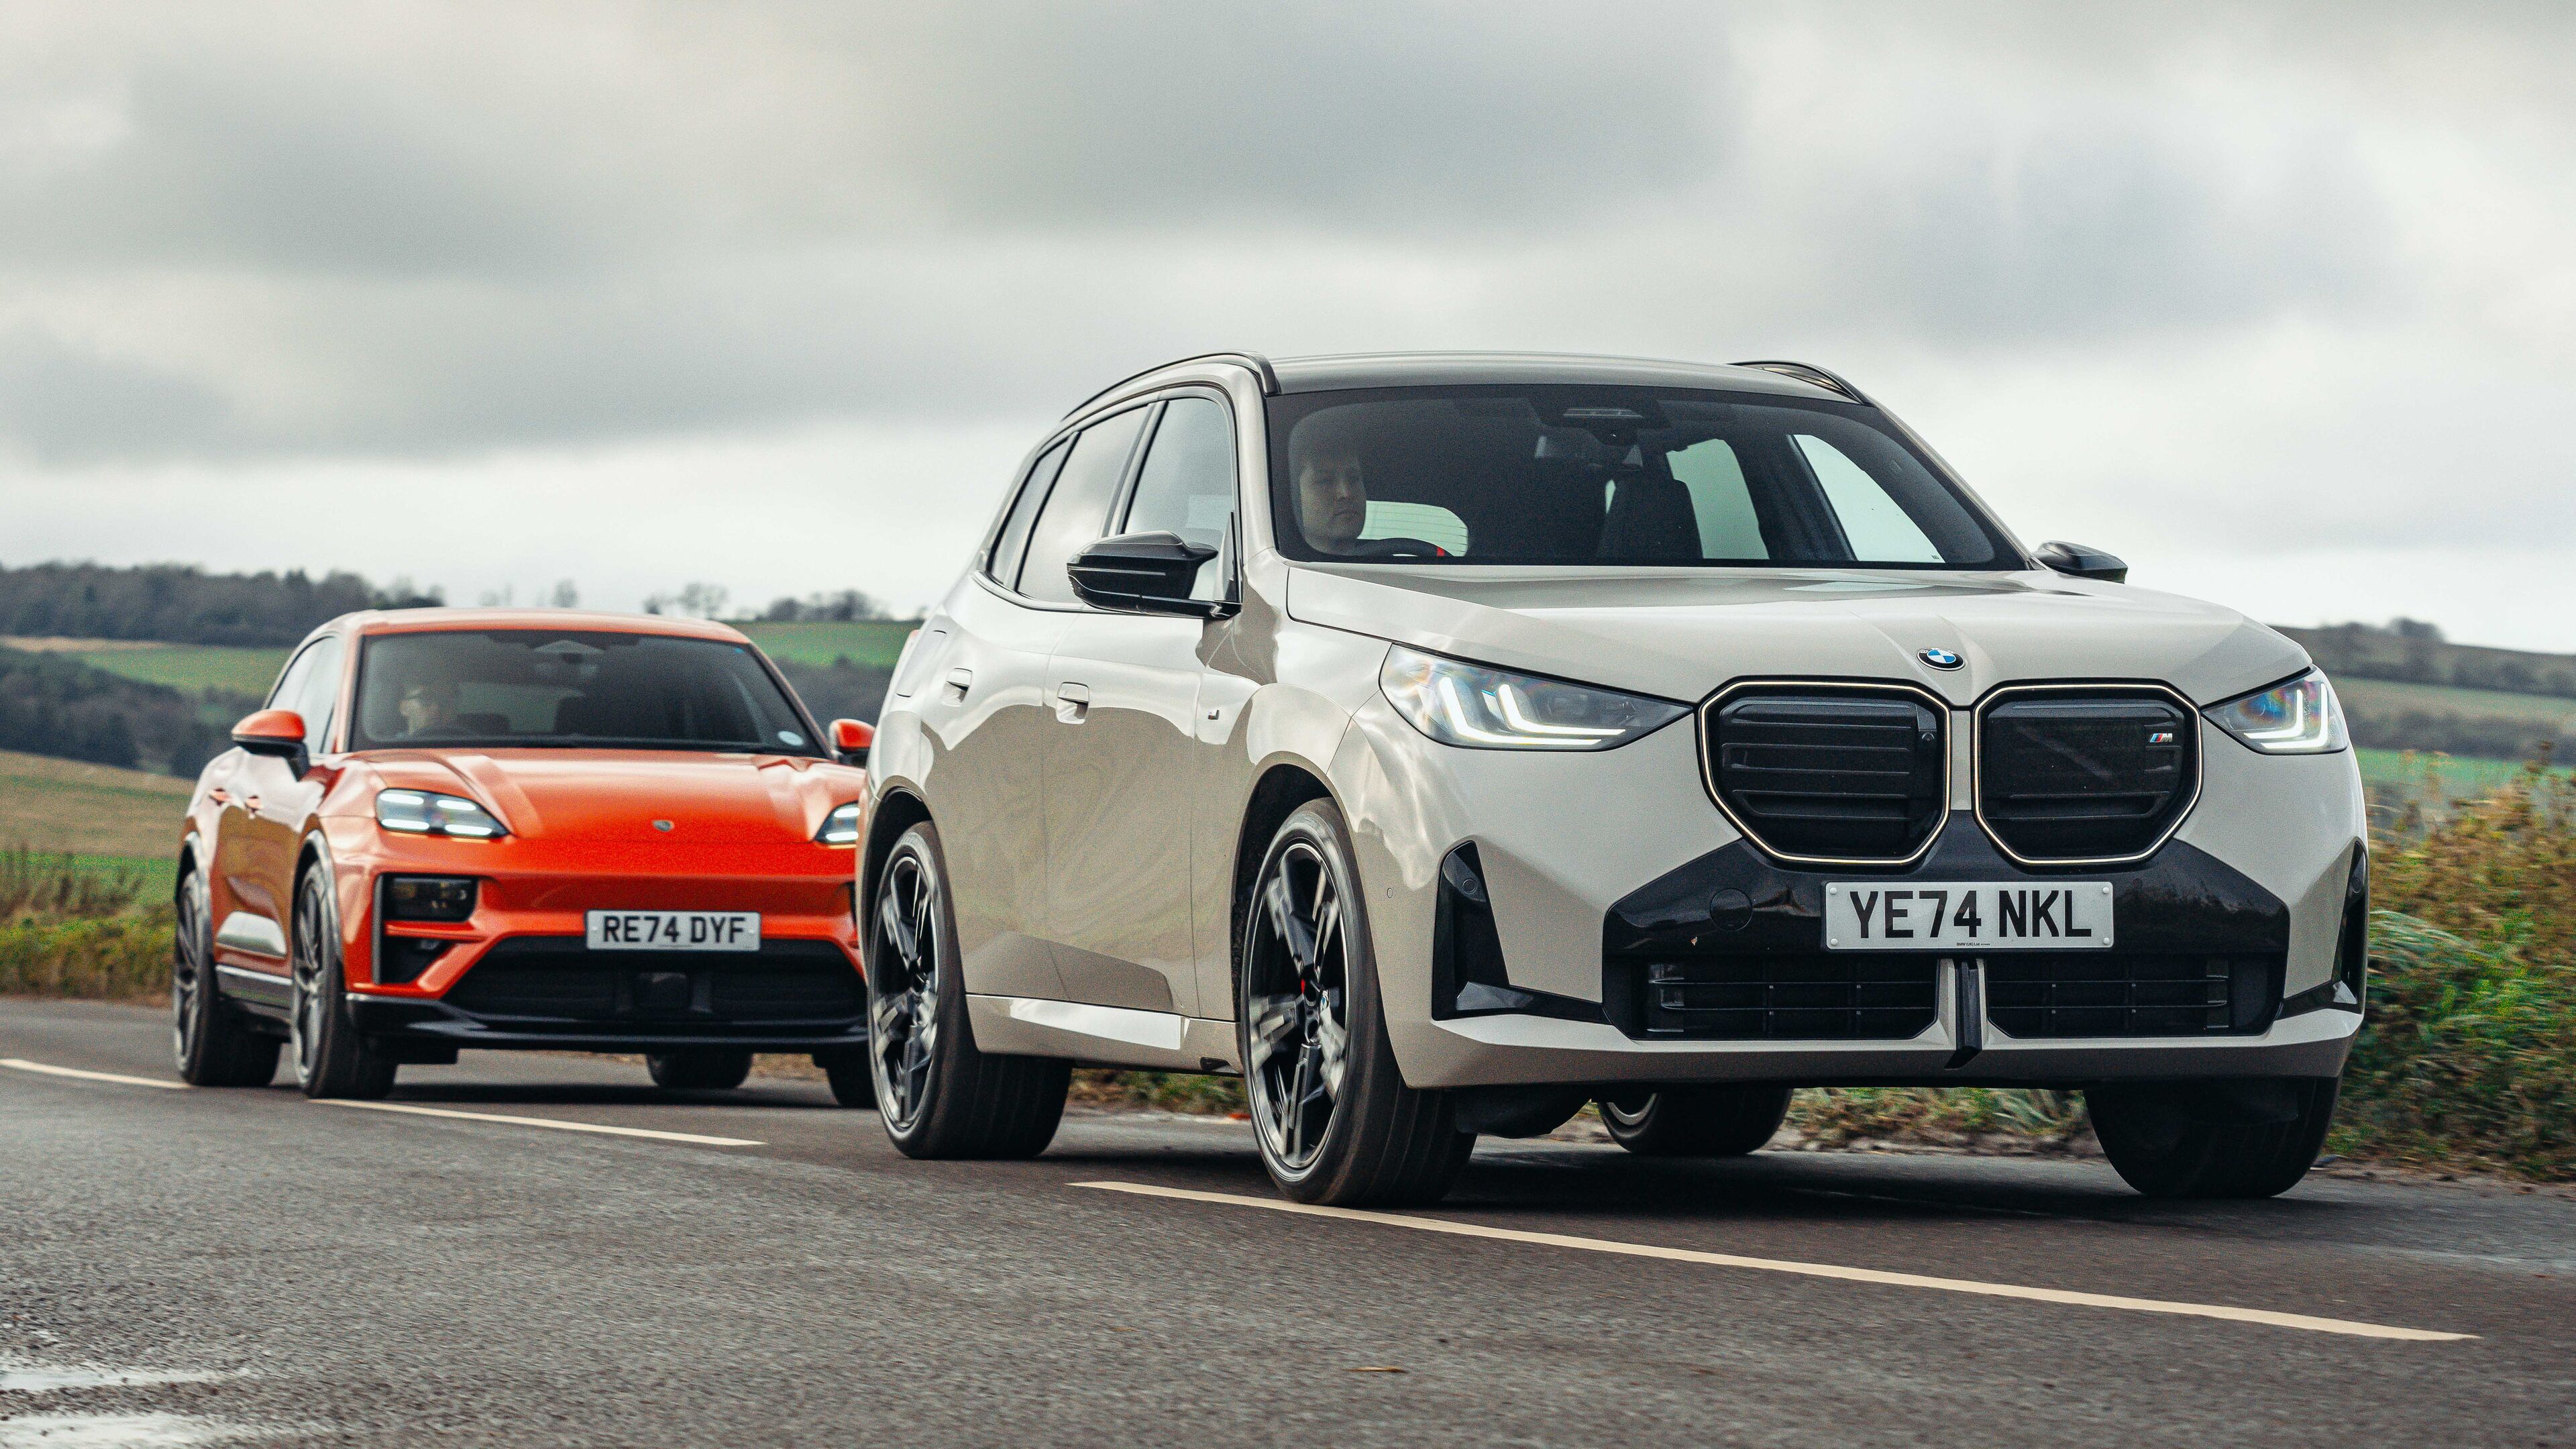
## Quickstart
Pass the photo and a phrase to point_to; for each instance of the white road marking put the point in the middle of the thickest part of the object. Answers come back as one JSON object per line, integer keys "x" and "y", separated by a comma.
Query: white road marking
{"x": 22, "y": 1064}
{"x": 2222, "y": 1311}
{"x": 557, "y": 1123}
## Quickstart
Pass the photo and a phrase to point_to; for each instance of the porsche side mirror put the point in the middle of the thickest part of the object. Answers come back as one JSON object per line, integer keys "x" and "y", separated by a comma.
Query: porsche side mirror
{"x": 851, "y": 738}
{"x": 1145, "y": 573}
{"x": 277, "y": 733}
{"x": 2076, "y": 560}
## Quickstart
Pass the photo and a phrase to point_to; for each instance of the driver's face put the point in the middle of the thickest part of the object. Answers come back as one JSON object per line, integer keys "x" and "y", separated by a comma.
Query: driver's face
{"x": 1332, "y": 500}
{"x": 427, "y": 709}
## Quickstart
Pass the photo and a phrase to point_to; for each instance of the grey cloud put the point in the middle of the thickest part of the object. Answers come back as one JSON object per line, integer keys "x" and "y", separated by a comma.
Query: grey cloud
{"x": 66, "y": 404}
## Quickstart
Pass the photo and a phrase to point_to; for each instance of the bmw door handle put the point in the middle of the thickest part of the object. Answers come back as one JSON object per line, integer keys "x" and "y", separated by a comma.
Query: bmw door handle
{"x": 1072, "y": 702}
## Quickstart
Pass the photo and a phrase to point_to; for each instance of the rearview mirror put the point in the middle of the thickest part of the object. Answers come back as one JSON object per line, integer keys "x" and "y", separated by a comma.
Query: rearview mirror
{"x": 2077, "y": 561}
{"x": 1145, "y": 573}
{"x": 278, "y": 733}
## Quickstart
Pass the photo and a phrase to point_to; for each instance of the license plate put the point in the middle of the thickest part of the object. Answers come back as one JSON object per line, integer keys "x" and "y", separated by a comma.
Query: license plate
{"x": 672, "y": 930}
{"x": 1967, "y": 915}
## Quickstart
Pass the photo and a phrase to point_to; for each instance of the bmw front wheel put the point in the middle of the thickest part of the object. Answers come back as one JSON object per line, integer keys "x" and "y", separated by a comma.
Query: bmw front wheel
{"x": 1330, "y": 1109}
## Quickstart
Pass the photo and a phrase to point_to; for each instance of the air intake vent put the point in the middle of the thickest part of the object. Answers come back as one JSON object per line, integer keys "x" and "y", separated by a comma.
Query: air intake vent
{"x": 1841, "y": 776}
{"x": 2113, "y": 994}
{"x": 2093, "y": 776}
{"x": 1820, "y": 996}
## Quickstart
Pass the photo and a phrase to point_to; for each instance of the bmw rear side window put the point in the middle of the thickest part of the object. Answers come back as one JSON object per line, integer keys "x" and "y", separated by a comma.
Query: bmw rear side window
{"x": 1612, "y": 476}
{"x": 563, "y": 689}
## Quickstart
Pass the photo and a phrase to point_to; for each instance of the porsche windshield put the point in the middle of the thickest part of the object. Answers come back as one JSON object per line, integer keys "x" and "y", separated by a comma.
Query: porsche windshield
{"x": 534, "y": 687}
{"x": 1611, "y": 476}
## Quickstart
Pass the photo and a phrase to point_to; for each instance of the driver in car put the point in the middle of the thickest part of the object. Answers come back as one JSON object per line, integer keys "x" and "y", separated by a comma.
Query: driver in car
{"x": 429, "y": 707}
{"x": 1332, "y": 496}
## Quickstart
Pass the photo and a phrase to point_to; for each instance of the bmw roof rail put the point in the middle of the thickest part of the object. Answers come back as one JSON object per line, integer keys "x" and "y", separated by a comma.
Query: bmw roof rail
{"x": 1808, "y": 373}
{"x": 1254, "y": 361}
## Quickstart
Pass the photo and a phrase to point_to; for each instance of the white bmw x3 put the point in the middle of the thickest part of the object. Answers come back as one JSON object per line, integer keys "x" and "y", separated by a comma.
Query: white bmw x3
{"x": 1445, "y": 741}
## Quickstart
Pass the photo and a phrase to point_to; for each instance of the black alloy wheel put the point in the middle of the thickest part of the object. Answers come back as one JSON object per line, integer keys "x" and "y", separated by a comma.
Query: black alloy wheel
{"x": 332, "y": 1058}
{"x": 1698, "y": 1121}
{"x": 1331, "y": 1112}
{"x": 936, "y": 1092}
{"x": 1297, "y": 1002}
{"x": 698, "y": 1069}
{"x": 903, "y": 987}
{"x": 213, "y": 1046}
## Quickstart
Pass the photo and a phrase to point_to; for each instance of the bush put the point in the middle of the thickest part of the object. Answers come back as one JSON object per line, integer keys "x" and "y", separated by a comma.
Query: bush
{"x": 116, "y": 959}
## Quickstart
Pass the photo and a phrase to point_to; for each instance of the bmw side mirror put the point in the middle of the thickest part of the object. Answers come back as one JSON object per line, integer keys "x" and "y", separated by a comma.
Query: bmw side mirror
{"x": 2077, "y": 561}
{"x": 277, "y": 733}
{"x": 1145, "y": 573}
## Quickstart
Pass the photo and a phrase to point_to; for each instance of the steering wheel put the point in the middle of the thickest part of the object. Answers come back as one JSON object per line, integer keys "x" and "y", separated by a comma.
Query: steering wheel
{"x": 1394, "y": 548}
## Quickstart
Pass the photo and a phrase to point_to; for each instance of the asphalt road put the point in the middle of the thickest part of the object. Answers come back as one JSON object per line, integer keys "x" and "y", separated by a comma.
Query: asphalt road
{"x": 181, "y": 1267}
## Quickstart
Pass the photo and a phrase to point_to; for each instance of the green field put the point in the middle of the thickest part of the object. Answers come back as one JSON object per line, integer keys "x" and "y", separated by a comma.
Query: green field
{"x": 181, "y": 666}
{"x": 867, "y": 642}
{"x": 63, "y": 805}
{"x": 2456, "y": 778}
{"x": 2389, "y": 696}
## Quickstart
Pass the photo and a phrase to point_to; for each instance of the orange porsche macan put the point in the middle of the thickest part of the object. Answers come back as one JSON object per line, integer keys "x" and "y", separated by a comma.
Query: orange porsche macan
{"x": 522, "y": 829}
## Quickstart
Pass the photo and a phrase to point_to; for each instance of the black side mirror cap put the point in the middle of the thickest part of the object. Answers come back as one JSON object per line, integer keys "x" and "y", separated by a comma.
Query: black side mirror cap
{"x": 1145, "y": 573}
{"x": 2084, "y": 563}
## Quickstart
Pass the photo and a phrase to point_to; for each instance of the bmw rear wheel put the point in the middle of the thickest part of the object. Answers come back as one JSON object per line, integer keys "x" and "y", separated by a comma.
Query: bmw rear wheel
{"x": 213, "y": 1045}
{"x": 1330, "y": 1109}
{"x": 1704, "y": 1121}
{"x": 332, "y": 1057}
{"x": 938, "y": 1095}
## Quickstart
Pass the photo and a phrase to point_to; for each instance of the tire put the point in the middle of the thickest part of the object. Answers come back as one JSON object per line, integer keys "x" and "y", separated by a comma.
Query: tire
{"x": 1727, "y": 1121}
{"x": 213, "y": 1046}
{"x": 853, "y": 1085}
{"x": 938, "y": 1096}
{"x": 1330, "y": 1109}
{"x": 698, "y": 1069}
{"x": 2160, "y": 1147}
{"x": 332, "y": 1057}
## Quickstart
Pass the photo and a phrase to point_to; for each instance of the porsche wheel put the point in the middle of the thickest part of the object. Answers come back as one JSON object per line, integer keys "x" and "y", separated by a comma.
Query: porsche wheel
{"x": 213, "y": 1045}
{"x": 698, "y": 1069}
{"x": 332, "y": 1057}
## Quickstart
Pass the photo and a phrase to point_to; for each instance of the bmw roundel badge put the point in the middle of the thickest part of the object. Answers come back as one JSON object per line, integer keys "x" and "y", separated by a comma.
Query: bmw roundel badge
{"x": 1941, "y": 659}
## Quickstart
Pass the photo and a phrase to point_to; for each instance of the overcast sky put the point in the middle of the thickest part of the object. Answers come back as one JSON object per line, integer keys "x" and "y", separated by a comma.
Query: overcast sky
{"x": 2280, "y": 305}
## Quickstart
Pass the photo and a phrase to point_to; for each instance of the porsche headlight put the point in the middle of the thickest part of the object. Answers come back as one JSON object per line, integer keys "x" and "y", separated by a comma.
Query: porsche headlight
{"x": 426, "y": 812}
{"x": 841, "y": 827}
{"x": 2301, "y": 717}
{"x": 1492, "y": 709}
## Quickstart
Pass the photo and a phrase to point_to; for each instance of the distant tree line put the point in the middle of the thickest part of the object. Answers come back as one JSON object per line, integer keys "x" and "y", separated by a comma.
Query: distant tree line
{"x": 2415, "y": 652}
{"x": 2482, "y": 737}
{"x": 50, "y": 705}
{"x": 185, "y": 605}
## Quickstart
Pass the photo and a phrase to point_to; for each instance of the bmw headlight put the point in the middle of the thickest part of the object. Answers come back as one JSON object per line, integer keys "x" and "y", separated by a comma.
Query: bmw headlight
{"x": 1492, "y": 709}
{"x": 426, "y": 812}
{"x": 2301, "y": 717}
{"x": 841, "y": 827}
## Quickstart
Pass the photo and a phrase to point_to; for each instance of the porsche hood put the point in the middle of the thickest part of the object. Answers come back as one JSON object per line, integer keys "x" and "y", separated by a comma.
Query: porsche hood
{"x": 617, "y": 795}
{"x": 1682, "y": 634}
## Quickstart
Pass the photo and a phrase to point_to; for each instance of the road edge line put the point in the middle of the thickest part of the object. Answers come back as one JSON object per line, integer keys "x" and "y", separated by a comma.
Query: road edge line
{"x": 50, "y": 1070}
{"x": 557, "y": 1123}
{"x": 2227, "y": 1313}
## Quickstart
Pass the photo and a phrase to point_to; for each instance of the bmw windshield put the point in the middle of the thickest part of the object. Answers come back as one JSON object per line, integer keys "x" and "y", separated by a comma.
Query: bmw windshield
{"x": 1582, "y": 475}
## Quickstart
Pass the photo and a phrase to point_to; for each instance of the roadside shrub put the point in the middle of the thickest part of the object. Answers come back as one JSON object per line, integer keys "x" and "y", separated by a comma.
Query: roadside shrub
{"x": 57, "y": 887}
{"x": 2469, "y": 1057}
{"x": 117, "y": 958}
{"x": 1942, "y": 1116}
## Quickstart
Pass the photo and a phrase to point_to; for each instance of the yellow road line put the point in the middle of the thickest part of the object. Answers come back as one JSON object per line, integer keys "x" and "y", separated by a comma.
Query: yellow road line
{"x": 554, "y": 1122}
{"x": 2228, "y": 1313}
{"x": 24, "y": 1065}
